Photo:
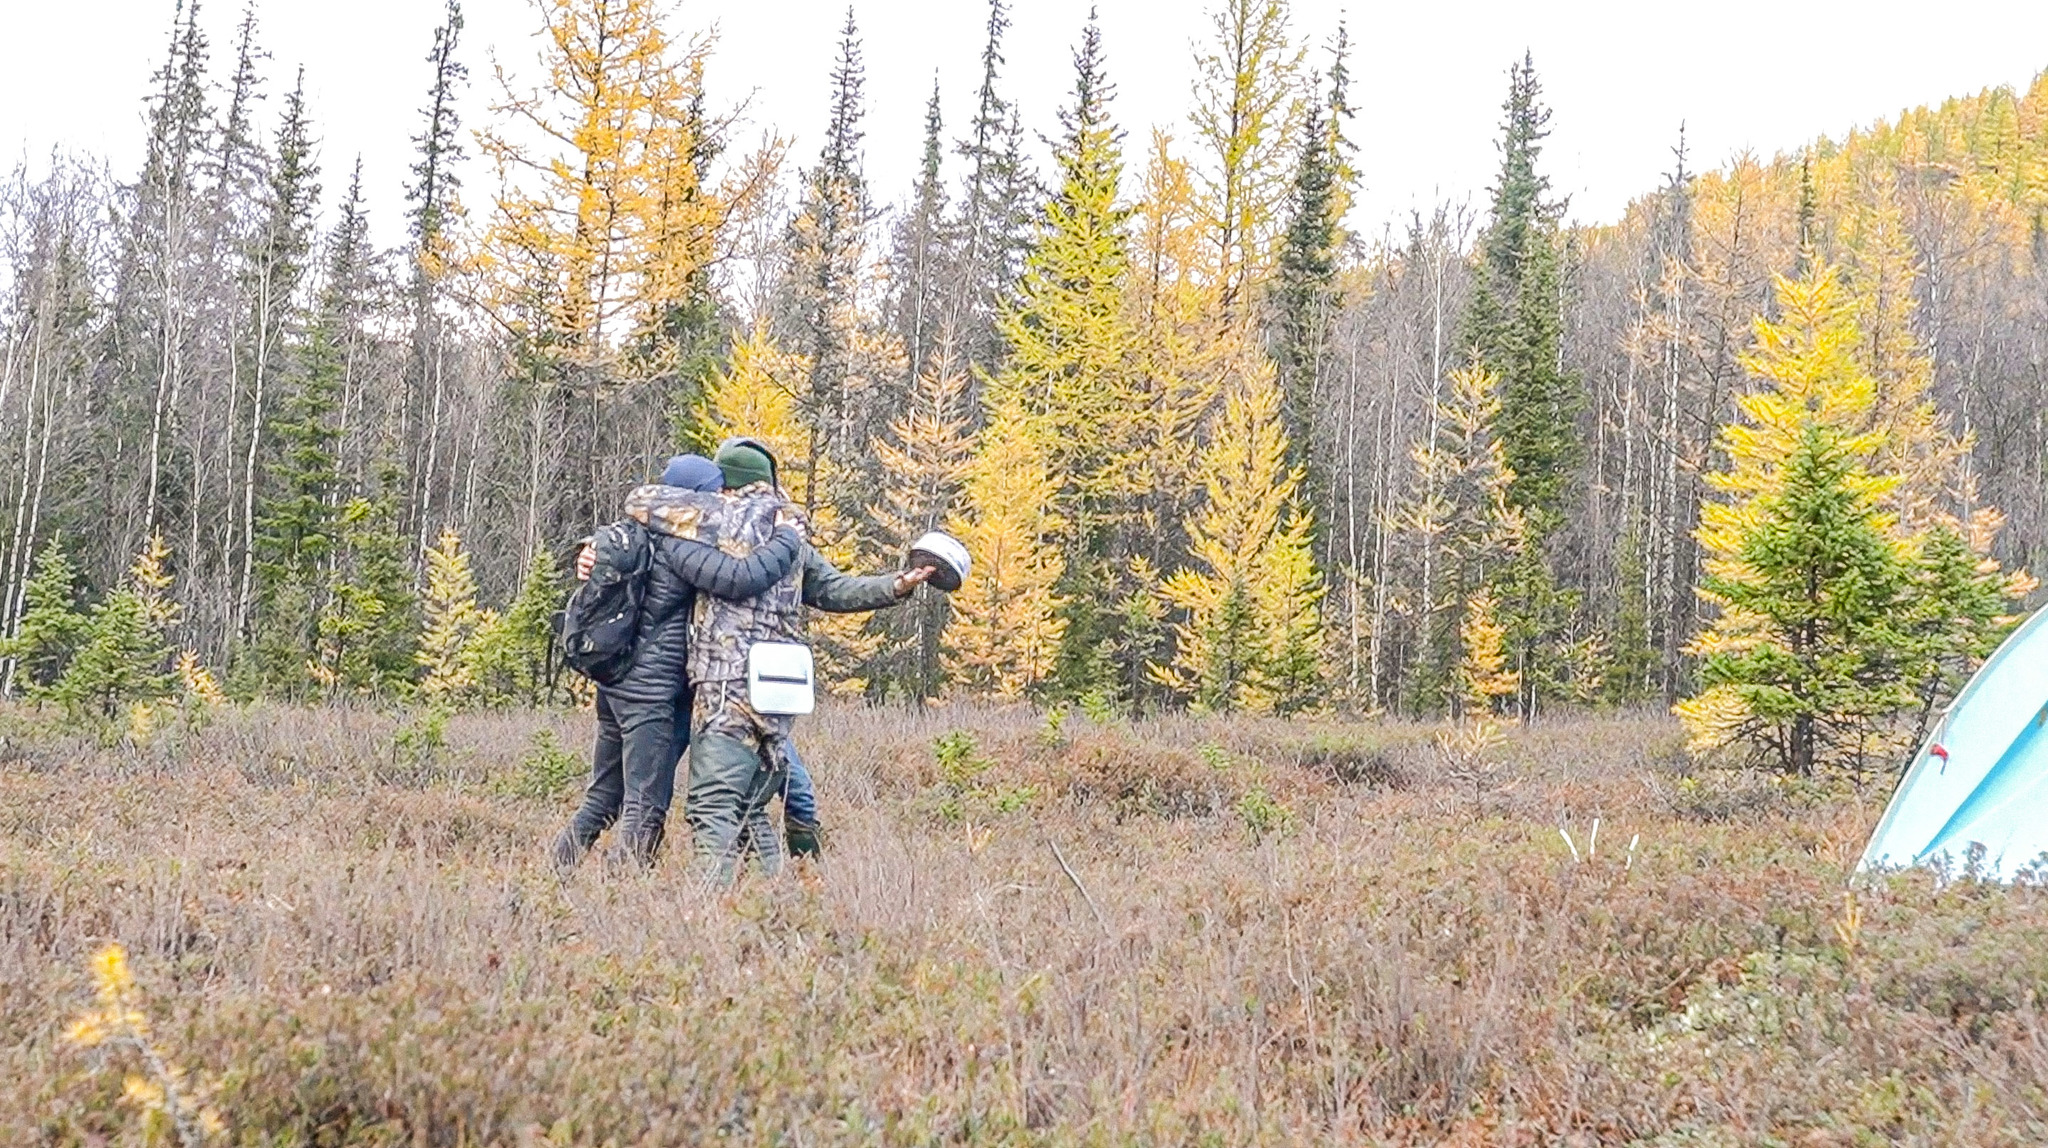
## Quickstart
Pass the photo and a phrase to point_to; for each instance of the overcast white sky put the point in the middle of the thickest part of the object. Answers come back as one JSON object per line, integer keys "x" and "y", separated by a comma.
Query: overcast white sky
{"x": 1621, "y": 77}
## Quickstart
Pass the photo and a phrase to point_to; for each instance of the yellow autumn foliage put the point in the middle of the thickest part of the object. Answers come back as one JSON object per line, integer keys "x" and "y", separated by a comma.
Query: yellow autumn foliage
{"x": 453, "y": 620}
{"x": 1484, "y": 679}
{"x": 756, "y": 394}
{"x": 1251, "y": 637}
{"x": 1006, "y": 629}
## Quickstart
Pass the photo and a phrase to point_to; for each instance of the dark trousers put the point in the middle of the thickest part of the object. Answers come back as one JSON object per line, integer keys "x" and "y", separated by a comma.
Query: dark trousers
{"x": 632, "y": 777}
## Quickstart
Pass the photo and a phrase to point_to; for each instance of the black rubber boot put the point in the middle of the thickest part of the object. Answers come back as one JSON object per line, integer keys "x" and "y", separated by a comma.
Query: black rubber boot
{"x": 566, "y": 851}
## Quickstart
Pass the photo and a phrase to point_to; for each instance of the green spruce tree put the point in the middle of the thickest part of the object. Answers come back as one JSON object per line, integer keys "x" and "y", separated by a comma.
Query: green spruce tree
{"x": 123, "y": 656}
{"x": 922, "y": 261}
{"x": 1631, "y": 673}
{"x": 1515, "y": 323}
{"x": 436, "y": 183}
{"x": 996, "y": 209}
{"x": 298, "y": 522}
{"x": 1962, "y": 607}
{"x": 277, "y": 264}
{"x": 435, "y": 207}
{"x": 1821, "y": 570}
{"x": 369, "y": 629}
{"x": 1514, "y": 326}
{"x": 51, "y": 629}
{"x": 1836, "y": 617}
{"x": 510, "y": 657}
{"x": 1304, "y": 294}
{"x": 122, "y": 660}
{"x": 827, "y": 247}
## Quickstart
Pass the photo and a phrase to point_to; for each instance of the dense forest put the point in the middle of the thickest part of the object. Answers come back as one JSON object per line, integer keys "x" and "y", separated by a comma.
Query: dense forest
{"x": 1208, "y": 446}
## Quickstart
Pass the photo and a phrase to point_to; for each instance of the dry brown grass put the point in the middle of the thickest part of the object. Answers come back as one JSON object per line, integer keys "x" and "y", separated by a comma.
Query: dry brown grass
{"x": 1299, "y": 932}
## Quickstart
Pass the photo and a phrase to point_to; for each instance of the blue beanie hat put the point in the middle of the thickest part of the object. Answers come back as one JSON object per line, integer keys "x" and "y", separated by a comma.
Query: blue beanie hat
{"x": 693, "y": 472}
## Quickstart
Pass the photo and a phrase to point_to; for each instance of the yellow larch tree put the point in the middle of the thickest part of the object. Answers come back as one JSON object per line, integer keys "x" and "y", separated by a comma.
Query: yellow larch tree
{"x": 1807, "y": 363}
{"x": 596, "y": 259}
{"x": 1070, "y": 372}
{"x": 1248, "y": 115}
{"x": 607, "y": 221}
{"x": 1484, "y": 679}
{"x": 684, "y": 217}
{"x": 1071, "y": 344}
{"x": 1460, "y": 530}
{"x": 1006, "y": 629}
{"x": 756, "y": 394}
{"x": 151, "y": 577}
{"x": 452, "y": 621}
{"x": 199, "y": 683}
{"x": 121, "y": 657}
{"x": 761, "y": 393}
{"x": 924, "y": 458}
{"x": 1937, "y": 490}
{"x": 1249, "y": 636}
{"x": 1834, "y": 611}
{"x": 1879, "y": 273}
{"x": 580, "y": 202}
{"x": 1185, "y": 346}
{"x": 1764, "y": 678}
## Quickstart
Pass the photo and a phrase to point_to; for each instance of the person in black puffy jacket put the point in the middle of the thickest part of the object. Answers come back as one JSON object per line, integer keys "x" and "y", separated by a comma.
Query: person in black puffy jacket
{"x": 643, "y": 719}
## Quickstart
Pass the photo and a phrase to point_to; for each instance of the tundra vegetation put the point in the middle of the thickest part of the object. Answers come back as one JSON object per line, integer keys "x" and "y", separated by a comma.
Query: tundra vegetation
{"x": 1179, "y": 929}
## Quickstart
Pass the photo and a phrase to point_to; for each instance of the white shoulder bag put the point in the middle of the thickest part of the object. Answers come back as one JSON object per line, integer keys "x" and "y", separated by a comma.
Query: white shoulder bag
{"x": 779, "y": 678}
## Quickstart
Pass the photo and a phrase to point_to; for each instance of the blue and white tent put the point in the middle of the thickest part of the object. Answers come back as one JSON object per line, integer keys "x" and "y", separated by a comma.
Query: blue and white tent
{"x": 1981, "y": 781}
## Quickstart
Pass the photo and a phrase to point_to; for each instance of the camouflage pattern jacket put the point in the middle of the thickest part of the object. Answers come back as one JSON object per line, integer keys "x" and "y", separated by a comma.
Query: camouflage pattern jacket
{"x": 723, "y": 630}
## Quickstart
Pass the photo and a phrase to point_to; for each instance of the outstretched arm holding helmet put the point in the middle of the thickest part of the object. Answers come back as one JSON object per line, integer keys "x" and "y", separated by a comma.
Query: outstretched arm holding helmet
{"x": 834, "y": 591}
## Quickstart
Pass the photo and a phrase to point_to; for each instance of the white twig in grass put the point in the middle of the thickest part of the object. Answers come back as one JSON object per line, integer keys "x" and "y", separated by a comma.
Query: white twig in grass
{"x": 1078, "y": 887}
{"x": 1593, "y": 842}
{"x": 1631, "y": 853}
{"x": 1566, "y": 834}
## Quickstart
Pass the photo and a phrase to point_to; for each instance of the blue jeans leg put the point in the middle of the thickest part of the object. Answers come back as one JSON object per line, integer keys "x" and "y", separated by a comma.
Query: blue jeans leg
{"x": 799, "y": 799}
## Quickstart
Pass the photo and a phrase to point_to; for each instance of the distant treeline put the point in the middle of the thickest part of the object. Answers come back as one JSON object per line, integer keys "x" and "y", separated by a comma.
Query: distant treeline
{"x": 1208, "y": 446}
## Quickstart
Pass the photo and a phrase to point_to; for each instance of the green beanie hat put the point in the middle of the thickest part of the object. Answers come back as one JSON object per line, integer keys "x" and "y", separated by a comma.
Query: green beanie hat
{"x": 744, "y": 463}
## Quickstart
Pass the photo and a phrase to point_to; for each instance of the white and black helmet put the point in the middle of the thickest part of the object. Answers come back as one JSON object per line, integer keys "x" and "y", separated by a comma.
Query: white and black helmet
{"x": 946, "y": 556}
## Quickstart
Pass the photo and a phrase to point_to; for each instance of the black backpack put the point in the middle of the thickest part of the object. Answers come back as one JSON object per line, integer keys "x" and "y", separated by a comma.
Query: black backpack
{"x": 601, "y": 623}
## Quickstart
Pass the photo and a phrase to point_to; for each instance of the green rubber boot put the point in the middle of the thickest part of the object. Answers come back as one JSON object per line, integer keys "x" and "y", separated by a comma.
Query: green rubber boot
{"x": 806, "y": 840}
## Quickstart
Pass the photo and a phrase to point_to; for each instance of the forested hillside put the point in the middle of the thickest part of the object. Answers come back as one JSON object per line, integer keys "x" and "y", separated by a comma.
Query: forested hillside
{"x": 1208, "y": 445}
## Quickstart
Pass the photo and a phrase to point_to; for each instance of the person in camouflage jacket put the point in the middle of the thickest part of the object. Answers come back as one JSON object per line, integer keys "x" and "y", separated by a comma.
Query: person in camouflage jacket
{"x": 739, "y": 757}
